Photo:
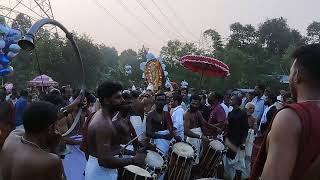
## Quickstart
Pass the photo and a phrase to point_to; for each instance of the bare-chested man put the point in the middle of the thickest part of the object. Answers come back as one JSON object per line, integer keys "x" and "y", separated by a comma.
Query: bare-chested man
{"x": 23, "y": 156}
{"x": 292, "y": 149}
{"x": 148, "y": 101}
{"x": 193, "y": 122}
{"x": 159, "y": 125}
{"x": 103, "y": 137}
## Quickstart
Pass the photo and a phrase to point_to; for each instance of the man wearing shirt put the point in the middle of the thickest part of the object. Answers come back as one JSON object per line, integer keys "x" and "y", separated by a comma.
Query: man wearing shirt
{"x": 177, "y": 114}
{"x": 20, "y": 106}
{"x": 258, "y": 102}
{"x": 217, "y": 116}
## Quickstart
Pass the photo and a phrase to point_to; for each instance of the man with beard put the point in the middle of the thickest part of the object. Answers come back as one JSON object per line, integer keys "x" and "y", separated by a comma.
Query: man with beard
{"x": 104, "y": 136}
{"x": 159, "y": 125}
{"x": 291, "y": 149}
{"x": 26, "y": 155}
{"x": 7, "y": 120}
{"x": 193, "y": 122}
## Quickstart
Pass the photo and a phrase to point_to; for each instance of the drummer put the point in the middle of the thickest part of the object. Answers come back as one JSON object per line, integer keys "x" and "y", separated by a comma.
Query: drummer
{"x": 193, "y": 122}
{"x": 159, "y": 125}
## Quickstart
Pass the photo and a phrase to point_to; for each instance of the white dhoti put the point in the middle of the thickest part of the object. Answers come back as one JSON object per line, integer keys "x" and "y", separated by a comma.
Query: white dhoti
{"x": 138, "y": 126}
{"x": 96, "y": 172}
{"x": 74, "y": 163}
{"x": 162, "y": 144}
{"x": 196, "y": 142}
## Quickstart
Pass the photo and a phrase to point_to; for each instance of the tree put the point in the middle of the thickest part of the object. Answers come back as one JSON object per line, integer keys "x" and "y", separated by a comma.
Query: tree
{"x": 313, "y": 32}
{"x": 215, "y": 38}
{"x": 275, "y": 35}
{"x": 242, "y": 36}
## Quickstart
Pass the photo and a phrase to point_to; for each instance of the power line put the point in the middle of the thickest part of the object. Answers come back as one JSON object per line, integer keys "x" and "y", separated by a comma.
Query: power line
{"x": 168, "y": 19}
{"x": 163, "y": 28}
{"x": 137, "y": 18}
{"x": 119, "y": 23}
{"x": 180, "y": 20}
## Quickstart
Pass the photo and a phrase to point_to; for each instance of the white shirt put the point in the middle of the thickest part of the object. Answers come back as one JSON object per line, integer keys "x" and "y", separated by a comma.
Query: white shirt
{"x": 264, "y": 116}
{"x": 177, "y": 120}
{"x": 225, "y": 108}
{"x": 259, "y": 107}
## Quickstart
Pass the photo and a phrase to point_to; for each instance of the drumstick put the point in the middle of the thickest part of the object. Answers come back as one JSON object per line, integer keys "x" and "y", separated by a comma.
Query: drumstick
{"x": 124, "y": 147}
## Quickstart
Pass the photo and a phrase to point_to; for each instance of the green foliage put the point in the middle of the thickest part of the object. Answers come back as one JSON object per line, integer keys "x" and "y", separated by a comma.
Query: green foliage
{"x": 254, "y": 55}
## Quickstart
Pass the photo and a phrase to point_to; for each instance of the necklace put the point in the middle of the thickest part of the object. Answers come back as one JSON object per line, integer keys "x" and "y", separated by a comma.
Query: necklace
{"x": 24, "y": 141}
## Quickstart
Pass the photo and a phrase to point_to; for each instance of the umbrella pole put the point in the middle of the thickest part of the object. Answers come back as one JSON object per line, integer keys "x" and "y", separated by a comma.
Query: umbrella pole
{"x": 201, "y": 80}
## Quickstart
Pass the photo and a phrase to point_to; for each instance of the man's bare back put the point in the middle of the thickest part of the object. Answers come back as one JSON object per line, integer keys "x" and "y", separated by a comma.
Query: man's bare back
{"x": 24, "y": 161}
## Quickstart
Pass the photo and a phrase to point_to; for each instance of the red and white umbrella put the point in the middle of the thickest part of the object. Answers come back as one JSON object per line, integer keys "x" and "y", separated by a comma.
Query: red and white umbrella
{"x": 43, "y": 81}
{"x": 206, "y": 66}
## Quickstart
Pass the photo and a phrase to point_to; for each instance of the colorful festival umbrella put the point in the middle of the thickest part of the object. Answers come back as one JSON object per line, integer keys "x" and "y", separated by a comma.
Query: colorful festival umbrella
{"x": 206, "y": 66}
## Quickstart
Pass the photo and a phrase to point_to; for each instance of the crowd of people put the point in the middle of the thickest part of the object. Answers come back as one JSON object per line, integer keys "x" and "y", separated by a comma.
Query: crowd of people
{"x": 74, "y": 134}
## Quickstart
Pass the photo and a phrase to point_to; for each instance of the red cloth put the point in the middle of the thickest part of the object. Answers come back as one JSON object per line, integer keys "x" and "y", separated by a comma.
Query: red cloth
{"x": 168, "y": 121}
{"x": 217, "y": 115}
{"x": 309, "y": 146}
{"x": 7, "y": 121}
{"x": 84, "y": 143}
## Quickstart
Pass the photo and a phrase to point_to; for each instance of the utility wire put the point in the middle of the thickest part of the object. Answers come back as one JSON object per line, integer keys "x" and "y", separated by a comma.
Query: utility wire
{"x": 137, "y": 18}
{"x": 118, "y": 22}
{"x": 180, "y": 20}
{"x": 168, "y": 19}
{"x": 155, "y": 19}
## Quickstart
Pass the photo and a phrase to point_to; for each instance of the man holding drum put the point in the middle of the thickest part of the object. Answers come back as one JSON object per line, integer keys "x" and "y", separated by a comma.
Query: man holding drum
{"x": 103, "y": 141}
{"x": 193, "y": 122}
{"x": 159, "y": 125}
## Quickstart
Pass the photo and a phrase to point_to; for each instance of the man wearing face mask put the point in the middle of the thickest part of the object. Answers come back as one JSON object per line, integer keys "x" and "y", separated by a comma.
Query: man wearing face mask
{"x": 193, "y": 122}
{"x": 159, "y": 125}
{"x": 103, "y": 136}
{"x": 26, "y": 155}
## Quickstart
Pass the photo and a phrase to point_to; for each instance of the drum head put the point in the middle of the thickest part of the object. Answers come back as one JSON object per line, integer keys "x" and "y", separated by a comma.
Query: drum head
{"x": 154, "y": 159}
{"x": 138, "y": 171}
{"x": 217, "y": 145}
{"x": 183, "y": 149}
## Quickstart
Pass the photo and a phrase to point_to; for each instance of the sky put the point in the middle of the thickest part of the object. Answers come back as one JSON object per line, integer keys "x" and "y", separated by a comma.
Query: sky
{"x": 108, "y": 22}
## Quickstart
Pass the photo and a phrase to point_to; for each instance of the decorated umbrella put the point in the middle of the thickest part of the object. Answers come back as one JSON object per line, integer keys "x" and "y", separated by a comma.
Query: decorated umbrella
{"x": 205, "y": 66}
{"x": 43, "y": 81}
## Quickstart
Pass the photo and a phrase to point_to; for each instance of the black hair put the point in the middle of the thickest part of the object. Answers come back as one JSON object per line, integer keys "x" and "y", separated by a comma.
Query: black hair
{"x": 215, "y": 96}
{"x": 126, "y": 95}
{"x": 238, "y": 99}
{"x": 24, "y": 93}
{"x": 177, "y": 97}
{"x": 55, "y": 98}
{"x": 63, "y": 89}
{"x": 308, "y": 61}
{"x": 195, "y": 97}
{"x": 38, "y": 116}
{"x": 107, "y": 89}
{"x": 135, "y": 93}
{"x": 286, "y": 96}
{"x": 261, "y": 87}
{"x": 159, "y": 94}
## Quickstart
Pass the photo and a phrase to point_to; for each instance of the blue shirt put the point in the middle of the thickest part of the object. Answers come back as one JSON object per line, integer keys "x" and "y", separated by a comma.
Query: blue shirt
{"x": 20, "y": 106}
{"x": 258, "y": 107}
